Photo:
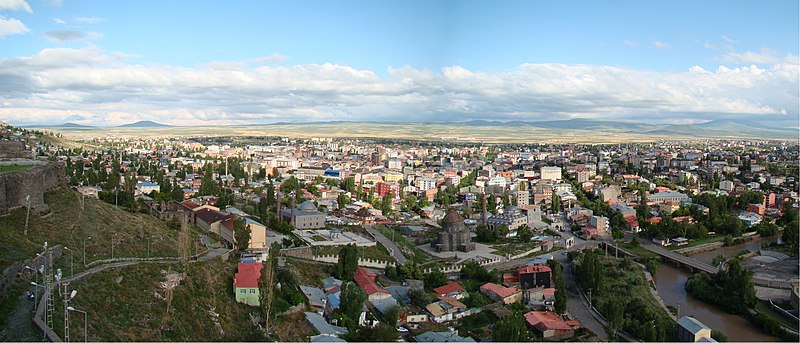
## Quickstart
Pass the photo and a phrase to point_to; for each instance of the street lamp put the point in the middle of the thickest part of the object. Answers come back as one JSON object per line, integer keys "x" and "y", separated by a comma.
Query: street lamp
{"x": 36, "y": 283}
{"x": 85, "y": 321}
{"x": 71, "y": 260}
{"x": 84, "y": 250}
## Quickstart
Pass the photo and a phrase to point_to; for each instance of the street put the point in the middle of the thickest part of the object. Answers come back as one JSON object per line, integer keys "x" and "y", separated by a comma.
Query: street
{"x": 396, "y": 253}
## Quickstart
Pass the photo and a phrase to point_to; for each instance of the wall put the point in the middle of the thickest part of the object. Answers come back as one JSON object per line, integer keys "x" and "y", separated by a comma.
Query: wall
{"x": 14, "y": 187}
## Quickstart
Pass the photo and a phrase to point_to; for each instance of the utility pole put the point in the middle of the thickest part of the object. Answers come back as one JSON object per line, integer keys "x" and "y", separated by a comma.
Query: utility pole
{"x": 590, "y": 298}
{"x": 84, "y": 250}
{"x": 71, "y": 261}
{"x": 28, "y": 214}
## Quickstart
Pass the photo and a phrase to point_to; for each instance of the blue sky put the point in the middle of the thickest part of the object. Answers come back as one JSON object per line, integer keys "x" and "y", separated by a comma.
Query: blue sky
{"x": 395, "y": 60}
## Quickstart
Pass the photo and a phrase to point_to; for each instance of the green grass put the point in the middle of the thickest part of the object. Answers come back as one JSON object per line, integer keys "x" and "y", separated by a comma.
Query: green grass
{"x": 409, "y": 250}
{"x": 624, "y": 280}
{"x": 67, "y": 225}
{"x": 514, "y": 247}
{"x": 131, "y": 310}
{"x": 14, "y": 168}
{"x": 765, "y": 308}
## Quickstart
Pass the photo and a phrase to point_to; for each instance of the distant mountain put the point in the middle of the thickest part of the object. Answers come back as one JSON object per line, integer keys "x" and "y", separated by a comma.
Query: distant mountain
{"x": 65, "y": 126}
{"x": 738, "y": 125}
{"x": 144, "y": 123}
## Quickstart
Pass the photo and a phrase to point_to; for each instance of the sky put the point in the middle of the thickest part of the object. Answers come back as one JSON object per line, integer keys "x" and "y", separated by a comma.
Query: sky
{"x": 251, "y": 62}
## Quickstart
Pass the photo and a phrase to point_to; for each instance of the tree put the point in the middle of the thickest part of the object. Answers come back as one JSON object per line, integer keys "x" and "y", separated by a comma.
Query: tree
{"x": 510, "y": 328}
{"x": 348, "y": 262}
{"x": 616, "y": 316}
{"x": 241, "y": 234}
{"x": 524, "y": 234}
{"x": 342, "y": 200}
{"x": 270, "y": 194}
{"x": 635, "y": 241}
{"x": 561, "y": 291}
{"x": 419, "y": 297}
{"x": 435, "y": 279}
{"x": 352, "y": 303}
{"x": 790, "y": 235}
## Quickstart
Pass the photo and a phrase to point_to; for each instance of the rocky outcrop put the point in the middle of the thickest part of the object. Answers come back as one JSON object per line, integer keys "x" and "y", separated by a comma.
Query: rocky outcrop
{"x": 16, "y": 186}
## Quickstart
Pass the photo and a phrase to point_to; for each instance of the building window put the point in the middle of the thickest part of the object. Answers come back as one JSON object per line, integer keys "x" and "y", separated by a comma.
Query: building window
{"x": 243, "y": 291}
{"x": 252, "y": 291}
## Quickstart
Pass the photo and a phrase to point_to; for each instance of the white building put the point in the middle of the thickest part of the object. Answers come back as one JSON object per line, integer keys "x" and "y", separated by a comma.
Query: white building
{"x": 551, "y": 173}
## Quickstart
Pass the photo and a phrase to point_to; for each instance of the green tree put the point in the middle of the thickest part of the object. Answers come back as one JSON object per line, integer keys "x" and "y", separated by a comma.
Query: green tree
{"x": 348, "y": 262}
{"x": 435, "y": 279}
{"x": 790, "y": 235}
{"x": 352, "y": 303}
{"x": 510, "y": 328}
{"x": 241, "y": 234}
{"x": 342, "y": 200}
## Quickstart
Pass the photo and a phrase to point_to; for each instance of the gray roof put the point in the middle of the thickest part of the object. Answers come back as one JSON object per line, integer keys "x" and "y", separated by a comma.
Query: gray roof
{"x": 319, "y": 324}
{"x": 692, "y": 325}
{"x": 441, "y": 337}
{"x": 384, "y": 305}
{"x": 313, "y": 294}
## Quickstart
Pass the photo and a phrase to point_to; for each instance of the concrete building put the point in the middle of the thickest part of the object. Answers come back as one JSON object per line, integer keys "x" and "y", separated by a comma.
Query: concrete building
{"x": 454, "y": 235}
{"x": 245, "y": 283}
{"x": 550, "y": 173}
{"x": 523, "y": 198}
{"x": 689, "y": 329}
{"x": 512, "y": 218}
{"x": 667, "y": 196}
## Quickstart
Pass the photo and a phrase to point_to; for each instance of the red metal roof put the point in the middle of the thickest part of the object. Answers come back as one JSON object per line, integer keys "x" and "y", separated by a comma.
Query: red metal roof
{"x": 539, "y": 268}
{"x": 366, "y": 280}
{"x": 247, "y": 275}
{"x": 449, "y": 288}
{"x": 501, "y": 291}
{"x": 543, "y": 321}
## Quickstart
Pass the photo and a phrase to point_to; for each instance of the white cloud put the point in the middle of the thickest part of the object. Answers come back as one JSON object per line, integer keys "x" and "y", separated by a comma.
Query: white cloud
{"x": 109, "y": 88}
{"x": 630, "y": 42}
{"x": 661, "y": 45}
{"x": 15, "y": 5}
{"x": 63, "y": 36}
{"x": 89, "y": 20}
{"x": 765, "y": 56}
{"x": 59, "y": 21}
{"x": 55, "y": 3}
{"x": 709, "y": 45}
{"x": 728, "y": 39}
{"x": 11, "y": 26}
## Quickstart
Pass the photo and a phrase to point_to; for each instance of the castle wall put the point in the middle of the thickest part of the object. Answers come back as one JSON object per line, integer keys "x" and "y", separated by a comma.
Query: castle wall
{"x": 15, "y": 186}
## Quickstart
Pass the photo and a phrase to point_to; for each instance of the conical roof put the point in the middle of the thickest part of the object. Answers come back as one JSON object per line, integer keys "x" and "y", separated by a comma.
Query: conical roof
{"x": 452, "y": 217}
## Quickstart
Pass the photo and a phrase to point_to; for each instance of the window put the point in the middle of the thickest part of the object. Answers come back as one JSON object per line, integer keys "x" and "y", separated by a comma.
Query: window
{"x": 243, "y": 291}
{"x": 252, "y": 291}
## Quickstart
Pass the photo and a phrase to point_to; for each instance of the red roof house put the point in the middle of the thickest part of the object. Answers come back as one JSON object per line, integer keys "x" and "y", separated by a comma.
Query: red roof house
{"x": 366, "y": 280}
{"x": 549, "y": 324}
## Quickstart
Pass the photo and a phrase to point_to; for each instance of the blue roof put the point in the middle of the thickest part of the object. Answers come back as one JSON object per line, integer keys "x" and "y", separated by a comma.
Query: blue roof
{"x": 334, "y": 300}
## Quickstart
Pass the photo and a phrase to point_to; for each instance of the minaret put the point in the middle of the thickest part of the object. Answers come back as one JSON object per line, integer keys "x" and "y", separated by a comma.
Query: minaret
{"x": 293, "y": 208}
{"x": 484, "y": 208}
{"x": 278, "y": 204}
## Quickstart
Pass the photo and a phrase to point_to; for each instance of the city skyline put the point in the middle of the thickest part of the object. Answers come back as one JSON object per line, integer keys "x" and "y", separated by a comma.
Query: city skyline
{"x": 199, "y": 64}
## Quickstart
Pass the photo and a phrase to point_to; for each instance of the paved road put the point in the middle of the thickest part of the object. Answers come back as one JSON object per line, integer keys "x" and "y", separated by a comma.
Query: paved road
{"x": 397, "y": 254}
{"x": 576, "y": 307}
{"x": 680, "y": 258}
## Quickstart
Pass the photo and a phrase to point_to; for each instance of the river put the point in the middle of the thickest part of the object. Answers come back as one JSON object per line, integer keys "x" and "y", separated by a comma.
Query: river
{"x": 670, "y": 283}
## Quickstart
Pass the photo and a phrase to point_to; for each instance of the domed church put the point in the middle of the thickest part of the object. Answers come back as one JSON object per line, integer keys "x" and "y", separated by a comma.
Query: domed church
{"x": 454, "y": 236}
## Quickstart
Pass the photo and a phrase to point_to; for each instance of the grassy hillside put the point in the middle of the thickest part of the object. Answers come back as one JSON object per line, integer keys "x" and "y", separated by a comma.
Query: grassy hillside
{"x": 68, "y": 226}
{"x": 128, "y": 304}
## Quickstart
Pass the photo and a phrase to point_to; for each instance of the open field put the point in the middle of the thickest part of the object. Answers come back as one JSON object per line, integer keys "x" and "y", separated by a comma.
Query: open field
{"x": 452, "y": 132}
